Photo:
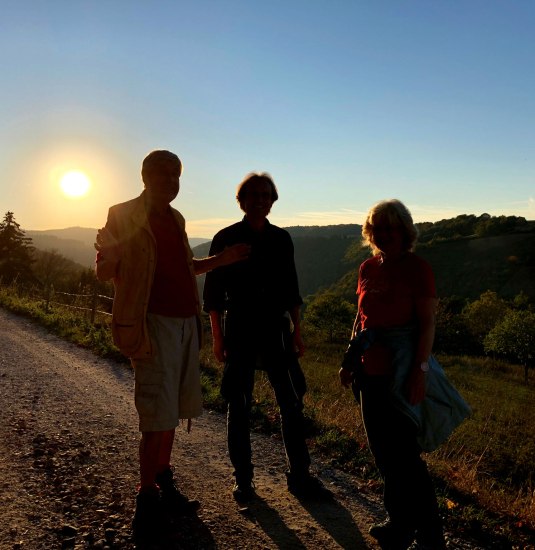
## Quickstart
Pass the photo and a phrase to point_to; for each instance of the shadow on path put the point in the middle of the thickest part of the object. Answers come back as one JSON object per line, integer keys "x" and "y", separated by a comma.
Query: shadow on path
{"x": 329, "y": 514}
{"x": 183, "y": 533}
{"x": 337, "y": 521}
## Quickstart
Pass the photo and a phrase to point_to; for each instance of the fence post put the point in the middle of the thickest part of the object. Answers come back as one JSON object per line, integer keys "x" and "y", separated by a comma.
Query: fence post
{"x": 93, "y": 304}
{"x": 48, "y": 292}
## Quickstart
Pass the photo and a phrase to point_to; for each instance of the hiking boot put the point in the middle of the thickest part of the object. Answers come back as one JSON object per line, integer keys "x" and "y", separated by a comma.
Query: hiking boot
{"x": 147, "y": 520}
{"x": 243, "y": 491}
{"x": 429, "y": 541}
{"x": 306, "y": 486}
{"x": 171, "y": 496}
{"x": 391, "y": 536}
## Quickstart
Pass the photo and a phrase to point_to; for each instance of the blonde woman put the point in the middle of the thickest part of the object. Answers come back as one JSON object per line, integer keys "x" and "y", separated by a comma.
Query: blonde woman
{"x": 396, "y": 310}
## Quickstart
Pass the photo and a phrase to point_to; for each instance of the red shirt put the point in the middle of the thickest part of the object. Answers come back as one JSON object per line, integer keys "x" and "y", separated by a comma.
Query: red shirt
{"x": 387, "y": 296}
{"x": 173, "y": 290}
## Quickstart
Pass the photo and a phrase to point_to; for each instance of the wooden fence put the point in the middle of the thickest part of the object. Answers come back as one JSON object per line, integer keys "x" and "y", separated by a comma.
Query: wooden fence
{"x": 91, "y": 303}
{"x": 81, "y": 302}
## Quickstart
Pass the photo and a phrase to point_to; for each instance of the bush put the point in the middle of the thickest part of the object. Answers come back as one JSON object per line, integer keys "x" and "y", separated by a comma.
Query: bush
{"x": 514, "y": 338}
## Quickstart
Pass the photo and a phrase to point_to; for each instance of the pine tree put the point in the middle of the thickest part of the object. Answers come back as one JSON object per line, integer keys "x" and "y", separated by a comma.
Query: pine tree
{"x": 15, "y": 252}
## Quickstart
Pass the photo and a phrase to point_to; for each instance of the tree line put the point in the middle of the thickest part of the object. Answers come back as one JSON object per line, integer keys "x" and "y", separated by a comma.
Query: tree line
{"x": 26, "y": 267}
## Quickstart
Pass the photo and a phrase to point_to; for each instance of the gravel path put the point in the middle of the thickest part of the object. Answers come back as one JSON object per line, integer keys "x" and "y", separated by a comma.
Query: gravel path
{"x": 68, "y": 464}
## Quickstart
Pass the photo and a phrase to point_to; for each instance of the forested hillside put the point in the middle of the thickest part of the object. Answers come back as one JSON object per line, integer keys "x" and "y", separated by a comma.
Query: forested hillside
{"x": 469, "y": 255}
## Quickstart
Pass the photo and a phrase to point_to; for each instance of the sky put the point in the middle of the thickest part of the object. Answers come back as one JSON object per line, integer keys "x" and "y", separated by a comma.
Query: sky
{"x": 344, "y": 103}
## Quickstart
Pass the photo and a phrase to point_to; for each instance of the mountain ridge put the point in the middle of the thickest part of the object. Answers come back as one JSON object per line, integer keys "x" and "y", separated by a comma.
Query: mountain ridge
{"x": 469, "y": 254}
{"x": 76, "y": 243}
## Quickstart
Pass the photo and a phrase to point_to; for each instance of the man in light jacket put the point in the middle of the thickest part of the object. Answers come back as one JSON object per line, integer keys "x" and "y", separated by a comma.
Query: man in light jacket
{"x": 144, "y": 249}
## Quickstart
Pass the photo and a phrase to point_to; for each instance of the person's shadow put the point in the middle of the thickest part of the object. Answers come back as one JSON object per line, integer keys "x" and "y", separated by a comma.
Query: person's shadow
{"x": 182, "y": 533}
{"x": 337, "y": 521}
{"x": 328, "y": 513}
{"x": 190, "y": 533}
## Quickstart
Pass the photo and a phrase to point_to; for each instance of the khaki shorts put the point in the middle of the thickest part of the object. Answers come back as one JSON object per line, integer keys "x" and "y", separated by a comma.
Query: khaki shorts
{"x": 168, "y": 385}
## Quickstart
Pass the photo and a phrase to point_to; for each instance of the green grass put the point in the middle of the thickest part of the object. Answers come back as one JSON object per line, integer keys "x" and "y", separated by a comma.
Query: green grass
{"x": 69, "y": 324}
{"x": 484, "y": 472}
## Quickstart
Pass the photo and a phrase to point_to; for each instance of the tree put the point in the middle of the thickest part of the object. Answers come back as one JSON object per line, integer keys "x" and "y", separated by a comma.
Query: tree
{"x": 499, "y": 225}
{"x": 330, "y": 314}
{"x": 452, "y": 335}
{"x": 514, "y": 338}
{"x": 15, "y": 252}
{"x": 482, "y": 315}
{"x": 522, "y": 301}
{"x": 52, "y": 270}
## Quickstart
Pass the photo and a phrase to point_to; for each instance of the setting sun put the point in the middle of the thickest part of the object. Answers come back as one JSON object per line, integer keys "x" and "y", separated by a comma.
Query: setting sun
{"x": 75, "y": 184}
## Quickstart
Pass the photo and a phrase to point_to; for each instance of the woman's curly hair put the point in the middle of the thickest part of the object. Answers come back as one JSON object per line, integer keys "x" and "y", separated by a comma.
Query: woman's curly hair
{"x": 393, "y": 213}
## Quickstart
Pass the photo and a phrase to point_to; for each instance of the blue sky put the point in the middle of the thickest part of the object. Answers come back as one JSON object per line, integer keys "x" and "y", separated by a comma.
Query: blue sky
{"x": 343, "y": 102}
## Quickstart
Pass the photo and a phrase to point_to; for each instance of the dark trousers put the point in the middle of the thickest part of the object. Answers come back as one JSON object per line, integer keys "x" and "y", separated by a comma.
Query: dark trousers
{"x": 286, "y": 378}
{"x": 409, "y": 496}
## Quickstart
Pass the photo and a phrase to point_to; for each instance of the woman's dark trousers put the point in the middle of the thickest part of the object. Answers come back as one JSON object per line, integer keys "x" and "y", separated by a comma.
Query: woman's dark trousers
{"x": 409, "y": 496}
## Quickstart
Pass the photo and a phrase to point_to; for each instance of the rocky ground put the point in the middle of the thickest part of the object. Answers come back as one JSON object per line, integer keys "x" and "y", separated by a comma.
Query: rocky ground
{"x": 68, "y": 466}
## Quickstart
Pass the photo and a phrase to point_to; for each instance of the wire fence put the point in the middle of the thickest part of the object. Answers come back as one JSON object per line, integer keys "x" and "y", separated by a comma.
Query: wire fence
{"x": 82, "y": 302}
{"x": 91, "y": 304}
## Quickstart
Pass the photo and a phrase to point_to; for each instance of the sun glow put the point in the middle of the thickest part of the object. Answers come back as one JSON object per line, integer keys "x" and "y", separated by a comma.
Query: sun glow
{"x": 75, "y": 184}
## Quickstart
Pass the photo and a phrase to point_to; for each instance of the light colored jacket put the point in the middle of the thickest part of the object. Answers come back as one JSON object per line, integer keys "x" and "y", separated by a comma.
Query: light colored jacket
{"x": 442, "y": 409}
{"x": 133, "y": 274}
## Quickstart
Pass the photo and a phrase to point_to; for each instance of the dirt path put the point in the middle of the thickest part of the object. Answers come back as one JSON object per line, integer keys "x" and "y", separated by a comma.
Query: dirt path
{"x": 68, "y": 467}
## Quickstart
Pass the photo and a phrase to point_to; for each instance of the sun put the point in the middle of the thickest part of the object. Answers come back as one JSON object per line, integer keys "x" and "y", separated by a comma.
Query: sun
{"x": 75, "y": 184}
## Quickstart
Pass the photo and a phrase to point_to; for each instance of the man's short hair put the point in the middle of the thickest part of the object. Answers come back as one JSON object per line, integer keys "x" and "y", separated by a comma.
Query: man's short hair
{"x": 254, "y": 177}
{"x": 155, "y": 158}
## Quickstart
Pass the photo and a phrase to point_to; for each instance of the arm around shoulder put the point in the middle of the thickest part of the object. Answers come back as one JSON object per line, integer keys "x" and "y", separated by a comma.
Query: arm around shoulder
{"x": 227, "y": 256}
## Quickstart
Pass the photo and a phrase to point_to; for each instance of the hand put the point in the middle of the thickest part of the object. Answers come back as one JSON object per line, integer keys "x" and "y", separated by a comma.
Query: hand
{"x": 299, "y": 345}
{"x": 107, "y": 244}
{"x": 415, "y": 386}
{"x": 218, "y": 348}
{"x": 234, "y": 253}
{"x": 346, "y": 377}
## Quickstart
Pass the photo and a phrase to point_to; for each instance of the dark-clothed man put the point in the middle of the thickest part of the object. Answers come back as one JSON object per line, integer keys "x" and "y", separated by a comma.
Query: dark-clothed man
{"x": 252, "y": 306}
{"x": 144, "y": 249}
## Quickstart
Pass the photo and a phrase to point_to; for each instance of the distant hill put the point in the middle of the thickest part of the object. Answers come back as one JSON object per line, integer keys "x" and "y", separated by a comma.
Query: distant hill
{"x": 75, "y": 243}
{"x": 319, "y": 254}
{"x": 348, "y": 231}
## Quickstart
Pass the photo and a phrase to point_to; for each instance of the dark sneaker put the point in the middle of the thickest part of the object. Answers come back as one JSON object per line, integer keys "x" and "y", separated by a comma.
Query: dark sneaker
{"x": 147, "y": 520}
{"x": 430, "y": 536}
{"x": 244, "y": 491}
{"x": 171, "y": 496}
{"x": 391, "y": 536}
{"x": 306, "y": 486}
